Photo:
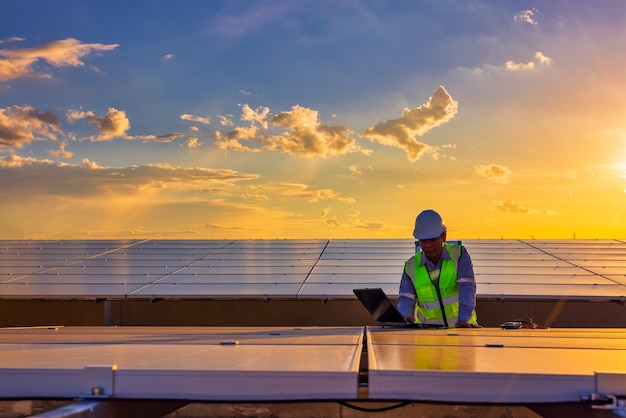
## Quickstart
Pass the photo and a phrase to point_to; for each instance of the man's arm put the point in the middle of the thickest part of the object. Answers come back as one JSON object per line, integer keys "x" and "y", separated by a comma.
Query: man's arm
{"x": 407, "y": 298}
{"x": 467, "y": 286}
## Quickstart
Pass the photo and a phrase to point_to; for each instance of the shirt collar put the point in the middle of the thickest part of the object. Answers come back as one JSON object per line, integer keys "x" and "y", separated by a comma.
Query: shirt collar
{"x": 444, "y": 256}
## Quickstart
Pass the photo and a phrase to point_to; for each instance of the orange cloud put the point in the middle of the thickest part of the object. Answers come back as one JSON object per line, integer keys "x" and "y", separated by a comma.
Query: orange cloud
{"x": 301, "y": 191}
{"x": 69, "y": 52}
{"x": 495, "y": 172}
{"x": 23, "y": 124}
{"x": 231, "y": 140}
{"x": 307, "y": 136}
{"x": 401, "y": 132}
{"x": 354, "y": 223}
{"x": 61, "y": 152}
{"x": 225, "y": 120}
{"x": 304, "y": 134}
{"x": 113, "y": 124}
{"x": 259, "y": 115}
{"x": 515, "y": 207}
{"x": 20, "y": 125}
{"x": 510, "y": 206}
{"x": 44, "y": 177}
{"x": 198, "y": 119}
{"x": 254, "y": 196}
{"x": 193, "y": 143}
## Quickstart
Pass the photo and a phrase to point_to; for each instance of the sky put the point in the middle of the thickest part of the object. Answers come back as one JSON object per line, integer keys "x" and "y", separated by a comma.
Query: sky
{"x": 322, "y": 119}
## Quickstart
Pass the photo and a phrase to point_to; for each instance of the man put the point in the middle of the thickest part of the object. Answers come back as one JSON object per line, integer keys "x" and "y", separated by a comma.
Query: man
{"x": 439, "y": 279}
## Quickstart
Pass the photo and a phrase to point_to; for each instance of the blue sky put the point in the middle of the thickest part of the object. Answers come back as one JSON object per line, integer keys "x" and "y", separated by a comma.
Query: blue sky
{"x": 295, "y": 119}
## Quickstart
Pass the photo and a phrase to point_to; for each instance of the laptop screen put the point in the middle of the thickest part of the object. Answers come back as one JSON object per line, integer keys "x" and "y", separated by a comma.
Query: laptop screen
{"x": 379, "y": 305}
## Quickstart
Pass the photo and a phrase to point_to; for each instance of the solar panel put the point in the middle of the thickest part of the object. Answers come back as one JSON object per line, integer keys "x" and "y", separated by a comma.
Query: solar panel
{"x": 488, "y": 365}
{"x": 181, "y": 363}
{"x": 533, "y": 269}
{"x": 493, "y": 365}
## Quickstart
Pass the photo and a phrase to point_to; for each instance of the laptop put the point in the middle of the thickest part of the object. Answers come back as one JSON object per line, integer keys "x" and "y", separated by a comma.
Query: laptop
{"x": 382, "y": 308}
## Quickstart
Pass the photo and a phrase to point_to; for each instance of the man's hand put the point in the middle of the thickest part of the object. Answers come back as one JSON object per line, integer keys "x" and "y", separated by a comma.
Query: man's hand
{"x": 465, "y": 324}
{"x": 409, "y": 318}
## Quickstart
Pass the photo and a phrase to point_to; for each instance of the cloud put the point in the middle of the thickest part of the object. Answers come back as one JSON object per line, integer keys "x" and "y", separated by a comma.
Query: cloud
{"x": 225, "y": 120}
{"x": 198, "y": 119}
{"x": 540, "y": 59}
{"x": 22, "y": 124}
{"x": 168, "y": 57}
{"x": 519, "y": 66}
{"x": 113, "y": 124}
{"x": 61, "y": 152}
{"x": 193, "y": 143}
{"x": 254, "y": 196}
{"x": 401, "y": 132}
{"x": 11, "y": 39}
{"x": 225, "y": 227}
{"x": 302, "y": 133}
{"x": 30, "y": 177}
{"x": 354, "y": 223}
{"x": 259, "y": 115}
{"x": 231, "y": 140}
{"x": 69, "y": 52}
{"x": 152, "y": 138}
{"x": 333, "y": 222}
{"x": 300, "y": 191}
{"x": 526, "y": 16}
{"x": 307, "y": 136}
{"x": 355, "y": 170}
{"x": 495, "y": 172}
{"x": 511, "y": 206}
{"x": 15, "y": 161}
{"x": 158, "y": 182}
{"x": 355, "y": 219}
{"x": 135, "y": 200}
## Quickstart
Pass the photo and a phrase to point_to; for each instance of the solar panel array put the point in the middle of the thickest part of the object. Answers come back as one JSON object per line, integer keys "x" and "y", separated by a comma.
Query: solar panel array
{"x": 273, "y": 363}
{"x": 487, "y": 365}
{"x": 548, "y": 269}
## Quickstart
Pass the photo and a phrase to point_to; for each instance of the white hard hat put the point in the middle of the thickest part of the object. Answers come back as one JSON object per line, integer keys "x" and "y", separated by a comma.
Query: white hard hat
{"x": 428, "y": 224}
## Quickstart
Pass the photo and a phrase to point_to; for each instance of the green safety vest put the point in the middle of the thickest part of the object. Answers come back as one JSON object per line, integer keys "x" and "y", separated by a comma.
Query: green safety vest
{"x": 437, "y": 304}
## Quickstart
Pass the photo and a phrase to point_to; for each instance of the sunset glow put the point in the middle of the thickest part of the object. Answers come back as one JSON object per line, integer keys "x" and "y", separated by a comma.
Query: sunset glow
{"x": 312, "y": 119}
